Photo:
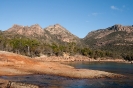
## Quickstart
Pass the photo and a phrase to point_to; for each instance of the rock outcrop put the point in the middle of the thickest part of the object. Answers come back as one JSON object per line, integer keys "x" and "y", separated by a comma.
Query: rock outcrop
{"x": 54, "y": 33}
{"x": 119, "y": 27}
{"x": 14, "y": 64}
{"x": 10, "y": 84}
{"x": 61, "y": 33}
{"x": 26, "y": 30}
{"x": 117, "y": 33}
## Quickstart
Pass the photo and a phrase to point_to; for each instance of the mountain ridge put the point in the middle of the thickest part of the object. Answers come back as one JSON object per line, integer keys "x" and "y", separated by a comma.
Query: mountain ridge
{"x": 62, "y": 34}
{"x": 116, "y": 27}
{"x": 55, "y": 39}
{"x": 117, "y": 39}
{"x": 53, "y": 33}
{"x": 26, "y": 30}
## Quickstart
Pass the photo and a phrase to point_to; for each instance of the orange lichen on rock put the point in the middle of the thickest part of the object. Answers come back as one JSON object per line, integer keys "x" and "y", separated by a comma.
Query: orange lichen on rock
{"x": 14, "y": 64}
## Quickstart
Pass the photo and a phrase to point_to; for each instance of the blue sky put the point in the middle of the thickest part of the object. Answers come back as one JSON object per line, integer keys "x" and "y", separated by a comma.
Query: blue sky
{"x": 77, "y": 16}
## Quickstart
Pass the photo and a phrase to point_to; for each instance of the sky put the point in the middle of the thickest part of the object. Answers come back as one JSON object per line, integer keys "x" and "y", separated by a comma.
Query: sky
{"x": 78, "y": 16}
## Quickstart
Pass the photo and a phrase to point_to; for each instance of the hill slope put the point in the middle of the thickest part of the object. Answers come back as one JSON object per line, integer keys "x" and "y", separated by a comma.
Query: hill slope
{"x": 61, "y": 33}
{"x": 34, "y": 40}
{"x": 55, "y": 39}
{"x": 116, "y": 38}
{"x": 33, "y": 30}
{"x": 55, "y": 33}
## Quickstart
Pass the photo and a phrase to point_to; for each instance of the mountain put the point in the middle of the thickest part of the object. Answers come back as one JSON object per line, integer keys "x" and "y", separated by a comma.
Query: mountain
{"x": 114, "y": 41}
{"x": 54, "y": 33}
{"x": 116, "y": 38}
{"x": 115, "y": 35}
{"x": 61, "y": 33}
{"x": 34, "y": 40}
{"x": 26, "y": 31}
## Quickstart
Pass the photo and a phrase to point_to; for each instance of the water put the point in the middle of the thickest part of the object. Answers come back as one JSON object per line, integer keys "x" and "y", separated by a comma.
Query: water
{"x": 49, "y": 81}
{"x": 122, "y": 68}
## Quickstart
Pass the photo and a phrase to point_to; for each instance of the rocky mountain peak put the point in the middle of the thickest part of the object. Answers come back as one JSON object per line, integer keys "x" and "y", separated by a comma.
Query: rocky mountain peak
{"x": 37, "y": 29}
{"x": 114, "y": 34}
{"x": 16, "y": 25}
{"x": 26, "y": 30}
{"x": 36, "y": 26}
{"x": 61, "y": 33}
{"x": 56, "y": 29}
{"x": 53, "y": 33}
{"x": 119, "y": 27}
{"x": 58, "y": 26}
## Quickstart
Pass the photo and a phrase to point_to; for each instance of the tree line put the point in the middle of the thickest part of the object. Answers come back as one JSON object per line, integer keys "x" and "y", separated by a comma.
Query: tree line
{"x": 33, "y": 47}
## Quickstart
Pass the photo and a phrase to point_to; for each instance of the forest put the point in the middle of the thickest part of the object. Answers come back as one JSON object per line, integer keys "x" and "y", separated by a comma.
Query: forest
{"x": 33, "y": 47}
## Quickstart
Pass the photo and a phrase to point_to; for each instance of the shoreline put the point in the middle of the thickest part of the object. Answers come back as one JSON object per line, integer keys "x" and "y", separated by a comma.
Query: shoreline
{"x": 10, "y": 84}
{"x": 76, "y": 58}
{"x": 14, "y": 64}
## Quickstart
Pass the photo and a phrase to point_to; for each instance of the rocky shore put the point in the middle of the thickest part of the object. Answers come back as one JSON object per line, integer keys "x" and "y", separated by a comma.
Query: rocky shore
{"x": 13, "y": 64}
{"x": 74, "y": 58}
{"x": 9, "y": 84}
